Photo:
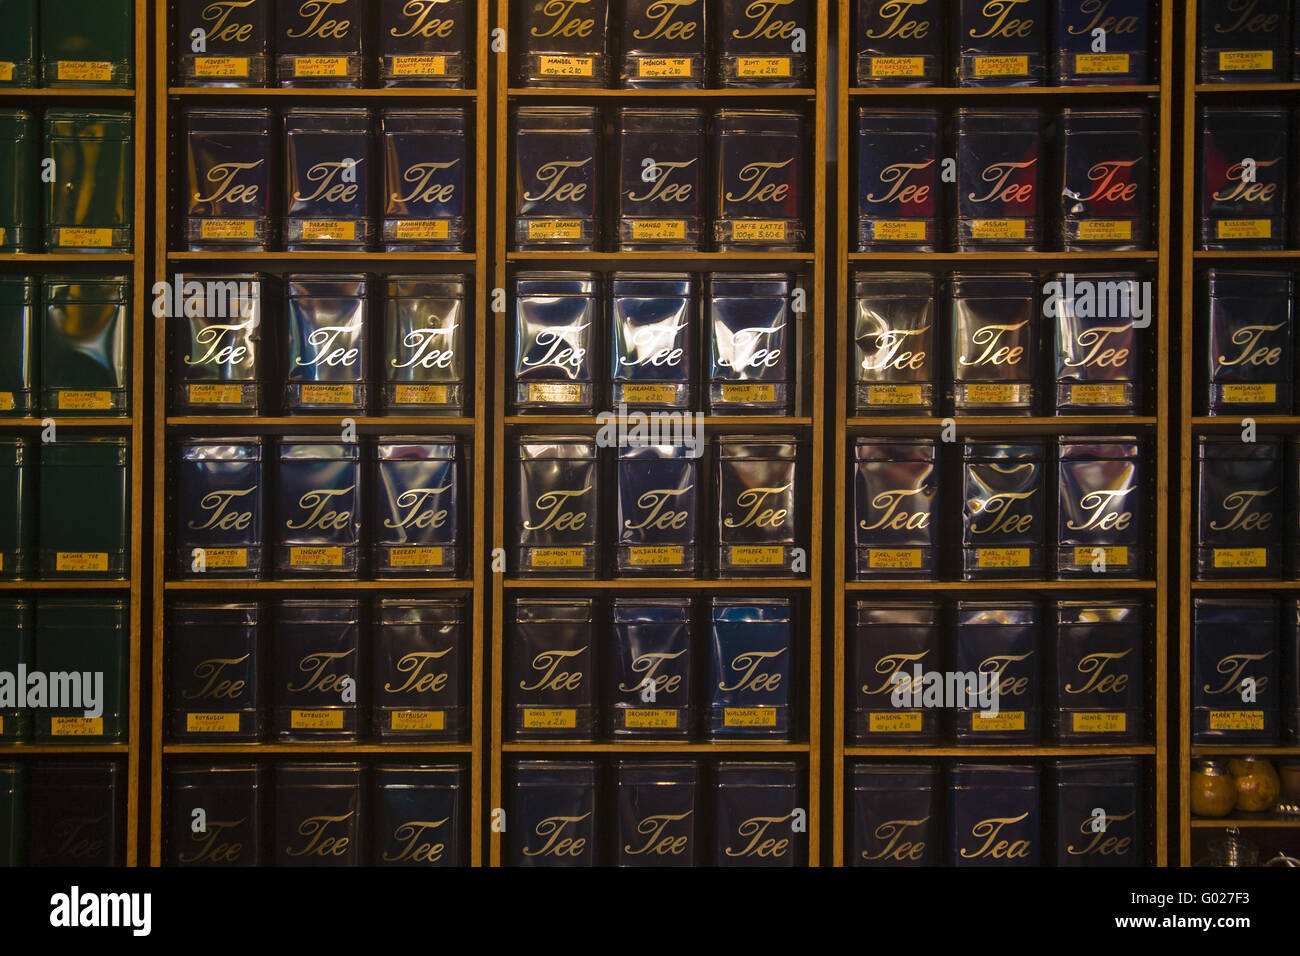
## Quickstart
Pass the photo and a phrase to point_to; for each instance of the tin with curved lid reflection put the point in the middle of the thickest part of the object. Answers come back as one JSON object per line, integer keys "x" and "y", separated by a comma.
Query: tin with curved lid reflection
{"x": 316, "y": 651}
{"x": 18, "y": 345}
{"x": 755, "y": 806}
{"x": 1247, "y": 342}
{"x": 751, "y": 670}
{"x": 898, "y": 44}
{"x": 759, "y": 522}
{"x": 1243, "y": 176}
{"x": 220, "y": 496}
{"x": 1112, "y": 785}
{"x": 896, "y": 815}
{"x": 658, "y": 510}
{"x": 233, "y": 800}
{"x": 88, "y": 204}
{"x": 320, "y": 42}
{"x": 1239, "y": 497}
{"x": 1235, "y": 671}
{"x": 664, "y": 44}
{"x": 425, "y": 42}
{"x": 1106, "y": 201}
{"x": 751, "y": 333}
{"x": 557, "y": 817}
{"x": 894, "y": 343}
{"x": 426, "y": 328}
{"x": 215, "y": 689}
{"x": 76, "y": 813}
{"x": 895, "y": 494}
{"x": 426, "y": 180}
{"x": 654, "y": 319}
{"x": 329, "y": 198}
{"x": 994, "y": 815}
{"x": 327, "y": 343}
{"x": 888, "y": 640}
{"x": 417, "y": 815}
{"x": 230, "y": 189}
{"x": 649, "y": 683}
{"x": 995, "y": 329}
{"x": 319, "y": 814}
{"x": 18, "y": 482}
{"x": 550, "y": 683}
{"x": 419, "y": 667}
{"x": 658, "y": 821}
{"x": 1095, "y": 673}
{"x": 557, "y": 177}
{"x": 1096, "y": 345}
{"x": 217, "y": 350}
{"x": 85, "y": 344}
{"x": 563, "y": 44}
{"x": 1242, "y": 43}
{"x": 1001, "y": 643}
{"x": 236, "y": 43}
{"x": 897, "y": 180}
{"x": 1000, "y": 160}
{"x": 1100, "y": 501}
{"x": 1003, "y": 511}
{"x": 416, "y": 522}
{"x": 756, "y": 43}
{"x": 761, "y": 203}
{"x": 556, "y": 508}
{"x": 318, "y": 508}
{"x": 1001, "y": 44}
{"x": 661, "y": 175}
{"x": 1125, "y": 60}
{"x": 556, "y": 317}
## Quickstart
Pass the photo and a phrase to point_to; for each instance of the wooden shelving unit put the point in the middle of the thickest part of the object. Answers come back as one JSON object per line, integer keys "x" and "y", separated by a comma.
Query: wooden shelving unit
{"x": 1153, "y": 428}
{"x": 810, "y": 426}
{"x": 1194, "y": 96}
{"x": 168, "y": 100}
{"x": 133, "y": 588}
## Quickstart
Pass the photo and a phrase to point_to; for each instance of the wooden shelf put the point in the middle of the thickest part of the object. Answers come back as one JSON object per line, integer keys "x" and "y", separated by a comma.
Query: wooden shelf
{"x": 1101, "y": 584}
{"x": 66, "y": 93}
{"x": 1058, "y": 425}
{"x": 656, "y": 747}
{"x": 1245, "y": 585}
{"x": 966, "y": 92}
{"x": 1228, "y": 750}
{"x": 1035, "y": 752}
{"x": 1233, "y": 422}
{"x": 1250, "y": 254}
{"x": 321, "y": 584}
{"x": 65, "y": 258}
{"x": 658, "y": 584}
{"x": 49, "y": 750}
{"x": 578, "y": 92}
{"x": 328, "y": 421}
{"x": 1247, "y": 822}
{"x": 932, "y": 257}
{"x": 307, "y": 92}
{"x": 85, "y": 421}
{"x": 711, "y": 422}
{"x": 321, "y": 255}
{"x": 680, "y": 261}
{"x": 65, "y": 586}
{"x": 1247, "y": 88}
{"x": 307, "y": 748}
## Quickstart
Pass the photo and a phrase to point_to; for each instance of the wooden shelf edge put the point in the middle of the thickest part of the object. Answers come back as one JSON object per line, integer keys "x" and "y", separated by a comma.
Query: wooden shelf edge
{"x": 658, "y": 584}
{"x": 276, "y": 92}
{"x": 1081, "y": 90}
{"x": 312, "y": 747}
{"x": 1068, "y": 585}
{"x": 1201, "y": 823}
{"x": 712, "y": 747}
{"x": 1083, "y": 751}
{"x": 394, "y": 584}
{"x": 605, "y": 93}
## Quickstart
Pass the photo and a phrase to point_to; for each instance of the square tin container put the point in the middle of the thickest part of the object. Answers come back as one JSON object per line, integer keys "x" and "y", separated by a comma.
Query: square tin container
{"x": 894, "y": 361}
{"x": 236, "y": 43}
{"x": 329, "y": 179}
{"x": 319, "y": 45}
{"x": 556, "y": 508}
{"x": 551, "y": 686}
{"x": 229, "y": 203}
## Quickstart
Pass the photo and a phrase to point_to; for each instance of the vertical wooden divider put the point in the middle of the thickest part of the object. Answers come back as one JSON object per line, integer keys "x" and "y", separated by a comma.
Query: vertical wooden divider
{"x": 809, "y": 423}
{"x": 1154, "y": 429}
